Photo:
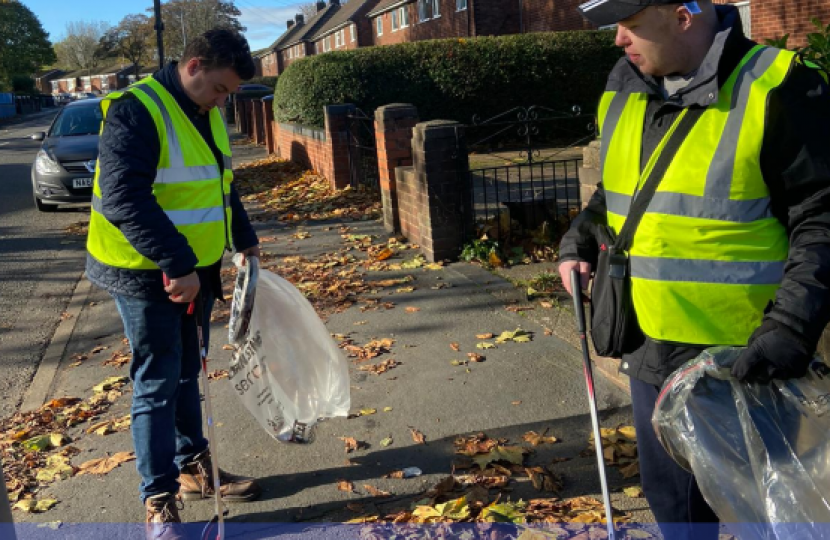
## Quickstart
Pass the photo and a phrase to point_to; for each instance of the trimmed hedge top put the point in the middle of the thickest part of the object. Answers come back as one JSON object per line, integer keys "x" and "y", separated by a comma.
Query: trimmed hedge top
{"x": 453, "y": 79}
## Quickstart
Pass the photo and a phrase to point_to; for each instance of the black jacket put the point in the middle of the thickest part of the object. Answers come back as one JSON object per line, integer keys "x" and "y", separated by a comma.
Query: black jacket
{"x": 795, "y": 162}
{"x": 128, "y": 154}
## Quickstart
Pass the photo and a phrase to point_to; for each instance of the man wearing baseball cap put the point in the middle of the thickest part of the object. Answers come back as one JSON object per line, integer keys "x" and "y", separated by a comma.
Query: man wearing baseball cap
{"x": 734, "y": 245}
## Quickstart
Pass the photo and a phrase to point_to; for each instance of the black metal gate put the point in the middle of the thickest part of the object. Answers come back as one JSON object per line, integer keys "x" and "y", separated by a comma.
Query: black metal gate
{"x": 363, "y": 152}
{"x": 523, "y": 175}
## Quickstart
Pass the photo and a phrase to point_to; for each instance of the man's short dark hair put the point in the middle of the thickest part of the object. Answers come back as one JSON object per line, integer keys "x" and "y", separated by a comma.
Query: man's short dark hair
{"x": 222, "y": 48}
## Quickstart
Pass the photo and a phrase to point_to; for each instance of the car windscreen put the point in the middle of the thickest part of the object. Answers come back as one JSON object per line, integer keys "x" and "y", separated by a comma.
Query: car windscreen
{"x": 77, "y": 121}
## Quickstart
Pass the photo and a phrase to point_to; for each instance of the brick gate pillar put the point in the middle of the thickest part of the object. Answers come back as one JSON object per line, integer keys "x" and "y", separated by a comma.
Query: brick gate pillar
{"x": 432, "y": 193}
{"x": 393, "y": 132}
{"x": 337, "y": 138}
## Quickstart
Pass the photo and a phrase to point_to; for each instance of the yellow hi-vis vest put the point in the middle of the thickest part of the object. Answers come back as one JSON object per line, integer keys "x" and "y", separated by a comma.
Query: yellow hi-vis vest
{"x": 708, "y": 255}
{"x": 187, "y": 186}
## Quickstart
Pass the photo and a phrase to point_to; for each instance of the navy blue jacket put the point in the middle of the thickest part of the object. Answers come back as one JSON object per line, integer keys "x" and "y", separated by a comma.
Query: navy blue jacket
{"x": 128, "y": 155}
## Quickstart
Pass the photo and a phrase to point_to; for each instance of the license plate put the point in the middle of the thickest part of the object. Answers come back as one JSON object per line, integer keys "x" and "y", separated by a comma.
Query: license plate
{"x": 81, "y": 182}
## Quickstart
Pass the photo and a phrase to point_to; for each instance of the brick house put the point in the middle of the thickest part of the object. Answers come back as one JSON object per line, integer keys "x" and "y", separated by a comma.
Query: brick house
{"x": 271, "y": 60}
{"x": 398, "y": 21}
{"x": 552, "y": 15}
{"x": 295, "y": 43}
{"x": 68, "y": 82}
{"x": 300, "y": 44}
{"x": 111, "y": 78}
{"x": 44, "y": 79}
{"x": 258, "y": 56}
{"x": 347, "y": 28}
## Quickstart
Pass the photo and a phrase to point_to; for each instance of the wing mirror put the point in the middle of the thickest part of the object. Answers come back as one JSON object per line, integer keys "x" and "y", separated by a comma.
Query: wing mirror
{"x": 39, "y": 136}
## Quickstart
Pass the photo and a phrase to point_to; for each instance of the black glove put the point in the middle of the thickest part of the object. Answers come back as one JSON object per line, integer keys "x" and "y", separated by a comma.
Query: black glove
{"x": 774, "y": 352}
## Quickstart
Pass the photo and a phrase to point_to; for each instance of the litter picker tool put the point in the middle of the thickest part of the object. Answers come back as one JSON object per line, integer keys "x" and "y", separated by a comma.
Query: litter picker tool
{"x": 197, "y": 309}
{"x": 592, "y": 400}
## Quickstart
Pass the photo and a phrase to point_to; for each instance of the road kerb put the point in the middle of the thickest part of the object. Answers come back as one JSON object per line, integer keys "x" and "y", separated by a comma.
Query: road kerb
{"x": 38, "y": 391}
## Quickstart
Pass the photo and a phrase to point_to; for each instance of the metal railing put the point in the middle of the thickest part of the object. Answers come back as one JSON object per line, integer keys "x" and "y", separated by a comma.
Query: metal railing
{"x": 363, "y": 152}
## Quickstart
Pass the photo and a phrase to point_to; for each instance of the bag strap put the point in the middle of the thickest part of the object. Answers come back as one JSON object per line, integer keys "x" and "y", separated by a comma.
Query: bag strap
{"x": 643, "y": 198}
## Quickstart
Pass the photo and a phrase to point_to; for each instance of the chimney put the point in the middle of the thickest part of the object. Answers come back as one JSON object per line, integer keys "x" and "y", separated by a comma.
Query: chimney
{"x": 321, "y": 6}
{"x": 334, "y": 2}
{"x": 290, "y": 24}
{"x": 299, "y": 18}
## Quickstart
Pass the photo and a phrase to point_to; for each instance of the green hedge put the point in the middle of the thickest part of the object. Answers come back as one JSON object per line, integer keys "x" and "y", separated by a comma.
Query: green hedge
{"x": 453, "y": 79}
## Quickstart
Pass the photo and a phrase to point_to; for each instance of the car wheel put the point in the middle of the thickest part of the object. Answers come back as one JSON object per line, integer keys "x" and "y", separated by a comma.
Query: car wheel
{"x": 43, "y": 207}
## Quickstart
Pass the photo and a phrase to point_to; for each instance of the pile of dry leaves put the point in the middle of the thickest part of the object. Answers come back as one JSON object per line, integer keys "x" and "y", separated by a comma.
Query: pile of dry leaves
{"x": 283, "y": 187}
{"x": 36, "y": 449}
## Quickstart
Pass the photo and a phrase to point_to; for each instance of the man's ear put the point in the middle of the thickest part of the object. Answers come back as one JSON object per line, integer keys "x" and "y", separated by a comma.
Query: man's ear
{"x": 683, "y": 17}
{"x": 193, "y": 66}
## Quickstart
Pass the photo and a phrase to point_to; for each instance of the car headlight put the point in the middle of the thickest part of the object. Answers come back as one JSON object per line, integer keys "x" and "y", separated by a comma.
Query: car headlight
{"x": 46, "y": 165}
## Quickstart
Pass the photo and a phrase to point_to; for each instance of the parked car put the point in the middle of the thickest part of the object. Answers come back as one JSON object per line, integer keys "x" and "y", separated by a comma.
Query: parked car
{"x": 254, "y": 88}
{"x": 63, "y": 98}
{"x": 65, "y": 165}
{"x": 84, "y": 95}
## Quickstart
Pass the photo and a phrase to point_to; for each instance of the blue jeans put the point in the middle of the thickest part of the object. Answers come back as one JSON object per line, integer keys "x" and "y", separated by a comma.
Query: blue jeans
{"x": 166, "y": 407}
{"x": 672, "y": 492}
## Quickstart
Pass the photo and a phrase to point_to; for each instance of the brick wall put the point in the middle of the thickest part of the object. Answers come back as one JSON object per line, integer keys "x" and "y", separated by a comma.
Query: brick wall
{"x": 553, "y": 15}
{"x": 774, "y": 18}
{"x": 402, "y": 35}
{"x": 324, "y": 150}
{"x": 270, "y": 65}
{"x": 393, "y": 131}
{"x": 451, "y": 23}
{"x": 427, "y": 195}
{"x": 305, "y": 146}
{"x": 496, "y": 17}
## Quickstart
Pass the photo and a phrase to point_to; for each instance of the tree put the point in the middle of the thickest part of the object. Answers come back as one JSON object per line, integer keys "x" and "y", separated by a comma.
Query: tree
{"x": 131, "y": 39}
{"x": 24, "y": 45}
{"x": 184, "y": 19}
{"x": 81, "y": 46}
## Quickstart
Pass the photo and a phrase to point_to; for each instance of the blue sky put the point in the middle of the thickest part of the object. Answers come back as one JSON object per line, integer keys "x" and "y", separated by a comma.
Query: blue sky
{"x": 265, "y": 19}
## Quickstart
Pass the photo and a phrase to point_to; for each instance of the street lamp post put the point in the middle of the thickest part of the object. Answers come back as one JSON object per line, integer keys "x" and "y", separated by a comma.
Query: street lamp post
{"x": 159, "y": 26}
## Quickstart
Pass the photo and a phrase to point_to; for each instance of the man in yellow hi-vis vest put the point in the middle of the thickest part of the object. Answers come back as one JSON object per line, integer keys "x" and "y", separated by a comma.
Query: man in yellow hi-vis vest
{"x": 734, "y": 246}
{"x": 164, "y": 205}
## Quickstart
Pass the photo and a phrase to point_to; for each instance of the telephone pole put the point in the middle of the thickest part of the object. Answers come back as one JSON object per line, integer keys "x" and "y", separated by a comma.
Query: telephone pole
{"x": 159, "y": 26}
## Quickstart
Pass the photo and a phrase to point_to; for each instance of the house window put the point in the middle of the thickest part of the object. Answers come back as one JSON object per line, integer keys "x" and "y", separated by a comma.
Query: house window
{"x": 352, "y": 32}
{"x": 337, "y": 42}
{"x": 317, "y": 47}
{"x": 396, "y": 21}
{"x": 423, "y": 10}
{"x": 404, "y": 16}
{"x": 380, "y": 24}
{"x": 436, "y": 9}
{"x": 460, "y": 5}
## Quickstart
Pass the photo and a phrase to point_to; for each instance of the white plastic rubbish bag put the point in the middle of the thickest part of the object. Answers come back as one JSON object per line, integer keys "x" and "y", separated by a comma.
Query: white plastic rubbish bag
{"x": 287, "y": 370}
{"x": 760, "y": 453}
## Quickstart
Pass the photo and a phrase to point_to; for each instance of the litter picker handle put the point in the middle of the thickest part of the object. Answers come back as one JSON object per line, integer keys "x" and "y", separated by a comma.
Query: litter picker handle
{"x": 576, "y": 288}
{"x": 191, "y": 309}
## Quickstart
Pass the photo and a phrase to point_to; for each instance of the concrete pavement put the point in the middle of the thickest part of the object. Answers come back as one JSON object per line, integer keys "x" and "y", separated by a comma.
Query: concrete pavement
{"x": 518, "y": 388}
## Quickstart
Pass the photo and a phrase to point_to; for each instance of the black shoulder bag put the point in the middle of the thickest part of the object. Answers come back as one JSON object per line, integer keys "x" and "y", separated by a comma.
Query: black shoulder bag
{"x": 612, "y": 311}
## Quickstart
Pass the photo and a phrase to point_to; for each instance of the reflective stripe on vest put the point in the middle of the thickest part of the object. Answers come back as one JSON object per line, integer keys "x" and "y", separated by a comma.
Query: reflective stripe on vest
{"x": 187, "y": 185}
{"x": 708, "y": 255}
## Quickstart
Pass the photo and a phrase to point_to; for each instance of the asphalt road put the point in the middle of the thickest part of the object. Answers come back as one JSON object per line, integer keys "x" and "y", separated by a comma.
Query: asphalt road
{"x": 40, "y": 263}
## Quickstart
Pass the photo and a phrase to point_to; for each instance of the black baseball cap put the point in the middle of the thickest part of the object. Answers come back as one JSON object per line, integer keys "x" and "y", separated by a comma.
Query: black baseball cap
{"x": 607, "y": 12}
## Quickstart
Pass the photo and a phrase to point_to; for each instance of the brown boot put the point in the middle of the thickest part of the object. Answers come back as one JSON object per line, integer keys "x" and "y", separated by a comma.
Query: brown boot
{"x": 196, "y": 479}
{"x": 163, "y": 521}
